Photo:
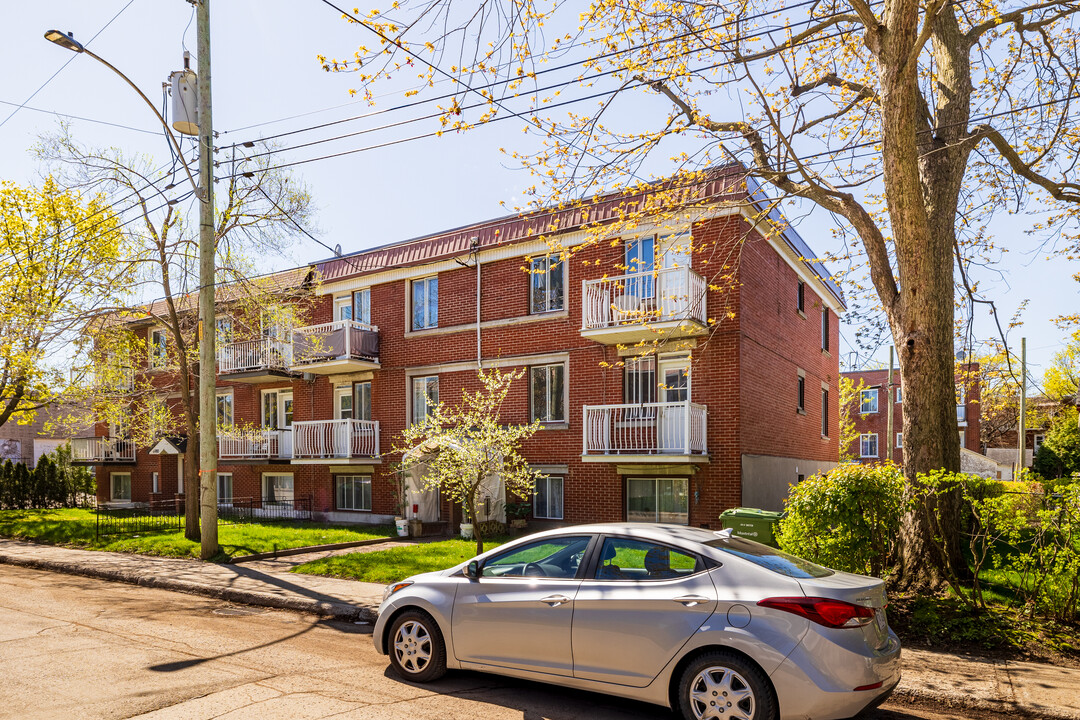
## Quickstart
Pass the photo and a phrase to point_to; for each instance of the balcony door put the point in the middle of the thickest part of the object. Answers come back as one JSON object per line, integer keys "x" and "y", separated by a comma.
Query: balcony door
{"x": 277, "y": 414}
{"x": 674, "y": 387}
{"x": 674, "y": 279}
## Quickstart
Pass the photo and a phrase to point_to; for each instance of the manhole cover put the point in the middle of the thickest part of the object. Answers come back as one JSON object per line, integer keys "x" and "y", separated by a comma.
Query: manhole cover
{"x": 239, "y": 611}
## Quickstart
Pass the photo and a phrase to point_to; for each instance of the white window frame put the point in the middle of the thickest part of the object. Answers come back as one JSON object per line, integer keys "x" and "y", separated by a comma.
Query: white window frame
{"x": 545, "y": 513}
{"x": 899, "y": 441}
{"x": 339, "y": 495}
{"x": 357, "y": 406}
{"x": 155, "y": 482}
{"x": 231, "y": 404}
{"x": 265, "y": 475}
{"x": 364, "y": 314}
{"x": 868, "y": 397}
{"x": 864, "y": 440}
{"x": 546, "y": 273}
{"x": 340, "y": 393}
{"x": 824, "y": 411}
{"x": 899, "y": 393}
{"x": 343, "y": 307}
{"x": 112, "y": 487}
{"x": 225, "y": 480}
{"x": 413, "y": 384}
{"x": 223, "y": 329}
{"x": 157, "y": 353}
{"x": 427, "y": 322}
{"x": 565, "y": 399}
{"x": 800, "y": 391}
{"x": 1037, "y": 441}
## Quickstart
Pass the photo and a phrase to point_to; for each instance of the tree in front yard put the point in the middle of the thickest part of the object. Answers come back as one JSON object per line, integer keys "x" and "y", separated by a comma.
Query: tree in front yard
{"x": 460, "y": 448}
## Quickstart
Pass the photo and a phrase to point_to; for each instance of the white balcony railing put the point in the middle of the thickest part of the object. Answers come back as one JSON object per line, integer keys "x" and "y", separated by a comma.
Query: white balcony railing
{"x": 671, "y": 428}
{"x": 640, "y": 298}
{"x": 102, "y": 450}
{"x": 248, "y": 355}
{"x": 338, "y": 340}
{"x": 254, "y": 444}
{"x": 336, "y": 439}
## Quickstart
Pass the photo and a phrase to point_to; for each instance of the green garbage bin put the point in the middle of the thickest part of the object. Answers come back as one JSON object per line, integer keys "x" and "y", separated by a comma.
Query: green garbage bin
{"x": 752, "y": 524}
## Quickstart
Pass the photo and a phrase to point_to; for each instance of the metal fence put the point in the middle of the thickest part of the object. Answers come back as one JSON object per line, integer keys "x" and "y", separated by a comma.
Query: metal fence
{"x": 157, "y": 516}
{"x": 238, "y": 510}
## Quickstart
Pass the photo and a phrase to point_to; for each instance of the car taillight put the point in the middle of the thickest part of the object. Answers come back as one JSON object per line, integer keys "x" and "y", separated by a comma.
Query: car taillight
{"x": 823, "y": 611}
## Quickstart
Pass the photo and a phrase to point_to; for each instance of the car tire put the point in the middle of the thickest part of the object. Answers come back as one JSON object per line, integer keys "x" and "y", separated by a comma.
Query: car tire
{"x": 720, "y": 685}
{"x": 416, "y": 648}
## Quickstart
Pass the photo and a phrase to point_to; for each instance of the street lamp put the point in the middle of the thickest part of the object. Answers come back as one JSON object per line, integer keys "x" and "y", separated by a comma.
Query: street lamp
{"x": 68, "y": 42}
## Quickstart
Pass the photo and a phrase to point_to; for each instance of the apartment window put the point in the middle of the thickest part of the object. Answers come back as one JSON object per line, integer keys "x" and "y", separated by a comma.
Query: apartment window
{"x": 354, "y": 492}
{"x": 640, "y": 260}
{"x": 425, "y": 303}
{"x": 277, "y": 488}
{"x": 343, "y": 308}
{"x": 343, "y": 404}
{"x": 801, "y": 392}
{"x": 639, "y": 381}
{"x": 824, "y": 412}
{"x": 868, "y": 445}
{"x": 800, "y": 297}
{"x": 223, "y": 330}
{"x": 1037, "y": 442}
{"x": 899, "y": 394}
{"x": 825, "y": 329}
{"x": 658, "y": 500}
{"x": 224, "y": 488}
{"x": 546, "y": 285}
{"x": 362, "y": 401}
{"x": 547, "y": 393}
{"x": 361, "y": 306}
{"x": 548, "y": 498}
{"x": 158, "y": 348}
{"x": 425, "y": 396}
{"x": 225, "y": 409}
{"x": 868, "y": 401}
{"x": 120, "y": 485}
{"x": 155, "y": 482}
{"x": 900, "y": 441}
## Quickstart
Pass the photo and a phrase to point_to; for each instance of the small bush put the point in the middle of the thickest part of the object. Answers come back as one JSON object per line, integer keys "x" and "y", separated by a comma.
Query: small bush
{"x": 847, "y": 518}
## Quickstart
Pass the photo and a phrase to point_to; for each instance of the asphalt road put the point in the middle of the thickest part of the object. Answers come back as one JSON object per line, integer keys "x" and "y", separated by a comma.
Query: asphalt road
{"x": 74, "y": 647}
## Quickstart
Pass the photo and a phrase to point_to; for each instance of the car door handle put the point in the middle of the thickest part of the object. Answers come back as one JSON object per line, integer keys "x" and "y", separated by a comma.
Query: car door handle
{"x": 691, "y": 600}
{"x": 555, "y": 600}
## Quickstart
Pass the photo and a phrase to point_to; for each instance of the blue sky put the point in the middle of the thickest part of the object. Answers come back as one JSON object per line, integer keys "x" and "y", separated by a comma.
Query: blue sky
{"x": 265, "y": 69}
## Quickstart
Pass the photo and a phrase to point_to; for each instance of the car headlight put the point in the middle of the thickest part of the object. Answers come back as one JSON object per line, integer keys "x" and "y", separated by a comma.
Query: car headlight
{"x": 391, "y": 589}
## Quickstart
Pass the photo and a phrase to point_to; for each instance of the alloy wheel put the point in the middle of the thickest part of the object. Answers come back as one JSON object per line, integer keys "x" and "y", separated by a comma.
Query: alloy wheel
{"x": 412, "y": 646}
{"x": 720, "y": 693}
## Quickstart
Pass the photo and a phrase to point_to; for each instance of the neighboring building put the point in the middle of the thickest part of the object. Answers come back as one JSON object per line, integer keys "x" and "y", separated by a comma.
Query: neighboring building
{"x": 27, "y": 443}
{"x": 870, "y": 410}
{"x": 737, "y": 401}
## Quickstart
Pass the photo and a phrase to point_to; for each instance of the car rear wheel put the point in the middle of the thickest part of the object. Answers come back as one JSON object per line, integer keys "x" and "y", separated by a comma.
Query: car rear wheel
{"x": 417, "y": 651}
{"x": 723, "y": 686}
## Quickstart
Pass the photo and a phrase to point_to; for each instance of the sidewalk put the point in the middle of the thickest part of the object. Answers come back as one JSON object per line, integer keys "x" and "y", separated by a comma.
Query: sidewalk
{"x": 944, "y": 679}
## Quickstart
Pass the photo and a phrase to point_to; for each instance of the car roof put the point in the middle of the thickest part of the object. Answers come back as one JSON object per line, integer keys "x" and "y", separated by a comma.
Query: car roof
{"x": 660, "y": 532}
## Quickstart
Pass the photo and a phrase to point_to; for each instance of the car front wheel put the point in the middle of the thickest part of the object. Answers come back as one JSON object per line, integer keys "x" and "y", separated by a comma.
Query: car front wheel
{"x": 723, "y": 686}
{"x": 417, "y": 651}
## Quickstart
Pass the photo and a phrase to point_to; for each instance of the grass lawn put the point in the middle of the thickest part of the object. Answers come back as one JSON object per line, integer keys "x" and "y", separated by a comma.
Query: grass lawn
{"x": 75, "y": 527}
{"x": 387, "y": 566}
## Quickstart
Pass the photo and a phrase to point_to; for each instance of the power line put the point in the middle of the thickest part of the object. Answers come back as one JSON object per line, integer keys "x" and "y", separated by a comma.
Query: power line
{"x": 24, "y": 106}
{"x": 69, "y": 61}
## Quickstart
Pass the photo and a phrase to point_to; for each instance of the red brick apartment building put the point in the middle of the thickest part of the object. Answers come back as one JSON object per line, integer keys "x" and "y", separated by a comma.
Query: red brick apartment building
{"x": 737, "y": 400}
{"x": 875, "y": 400}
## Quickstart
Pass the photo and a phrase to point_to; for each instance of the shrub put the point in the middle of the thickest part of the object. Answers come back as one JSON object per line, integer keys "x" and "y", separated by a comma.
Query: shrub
{"x": 847, "y": 518}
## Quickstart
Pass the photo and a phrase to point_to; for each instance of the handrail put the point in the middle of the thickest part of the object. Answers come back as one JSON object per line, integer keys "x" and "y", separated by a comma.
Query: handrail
{"x": 658, "y": 428}
{"x": 340, "y": 339}
{"x": 247, "y": 355}
{"x": 335, "y": 438}
{"x": 660, "y": 295}
{"x": 102, "y": 449}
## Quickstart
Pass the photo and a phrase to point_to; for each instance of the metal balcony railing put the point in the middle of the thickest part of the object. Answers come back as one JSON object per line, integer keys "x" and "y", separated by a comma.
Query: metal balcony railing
{"x": 338, "y": 340}
{"x": 249, "y": 355}
{"x": 669, "y": 428}
{"x": 102, "y": 450}
{"x": 254, "y": 444}
{"x": 641, "y": 298}
{"x": 315, "y": 439}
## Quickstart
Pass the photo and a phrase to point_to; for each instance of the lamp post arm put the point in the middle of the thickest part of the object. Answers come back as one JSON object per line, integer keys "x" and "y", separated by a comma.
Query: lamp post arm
{"x": 168, "y": 130}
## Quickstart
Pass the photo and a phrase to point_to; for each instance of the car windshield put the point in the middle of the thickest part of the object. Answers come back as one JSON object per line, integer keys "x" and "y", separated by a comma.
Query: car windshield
{"x": 770, "y": 558}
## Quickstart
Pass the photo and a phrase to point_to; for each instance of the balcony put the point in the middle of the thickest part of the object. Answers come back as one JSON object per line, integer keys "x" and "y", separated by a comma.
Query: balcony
{"x": 647, "y": 432}
{"x": 258, "y": 444}
{"x": 330, "y": 441}
{"x": 667, "y": 303}
{"x": 102, "y": 450}
{"x": 255, "y": 361}
{"x": 336, "y": 347}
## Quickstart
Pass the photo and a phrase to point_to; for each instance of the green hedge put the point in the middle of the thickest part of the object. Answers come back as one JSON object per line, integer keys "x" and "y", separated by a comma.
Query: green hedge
{"x": 55, "y": 482}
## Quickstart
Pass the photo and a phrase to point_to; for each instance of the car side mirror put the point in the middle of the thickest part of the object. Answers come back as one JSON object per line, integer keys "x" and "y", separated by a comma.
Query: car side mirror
{"x": 472, "y": 570}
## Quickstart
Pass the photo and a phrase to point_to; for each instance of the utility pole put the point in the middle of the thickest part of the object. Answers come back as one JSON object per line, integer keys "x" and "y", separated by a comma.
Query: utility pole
{"x": 207, "y": 323}
{"x": 889, "y": 407}
{"x": 1022, "y": 429}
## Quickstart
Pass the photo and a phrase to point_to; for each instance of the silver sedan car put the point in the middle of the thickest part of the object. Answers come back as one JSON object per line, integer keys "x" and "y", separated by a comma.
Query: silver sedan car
{"x": 710, "y": 625}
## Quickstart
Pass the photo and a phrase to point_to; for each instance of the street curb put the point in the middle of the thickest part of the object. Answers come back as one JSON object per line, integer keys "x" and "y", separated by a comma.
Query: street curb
{"x": 307, "y": 549}
{"x": 337, "y": 611}
{"x": 958, "y": 700}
